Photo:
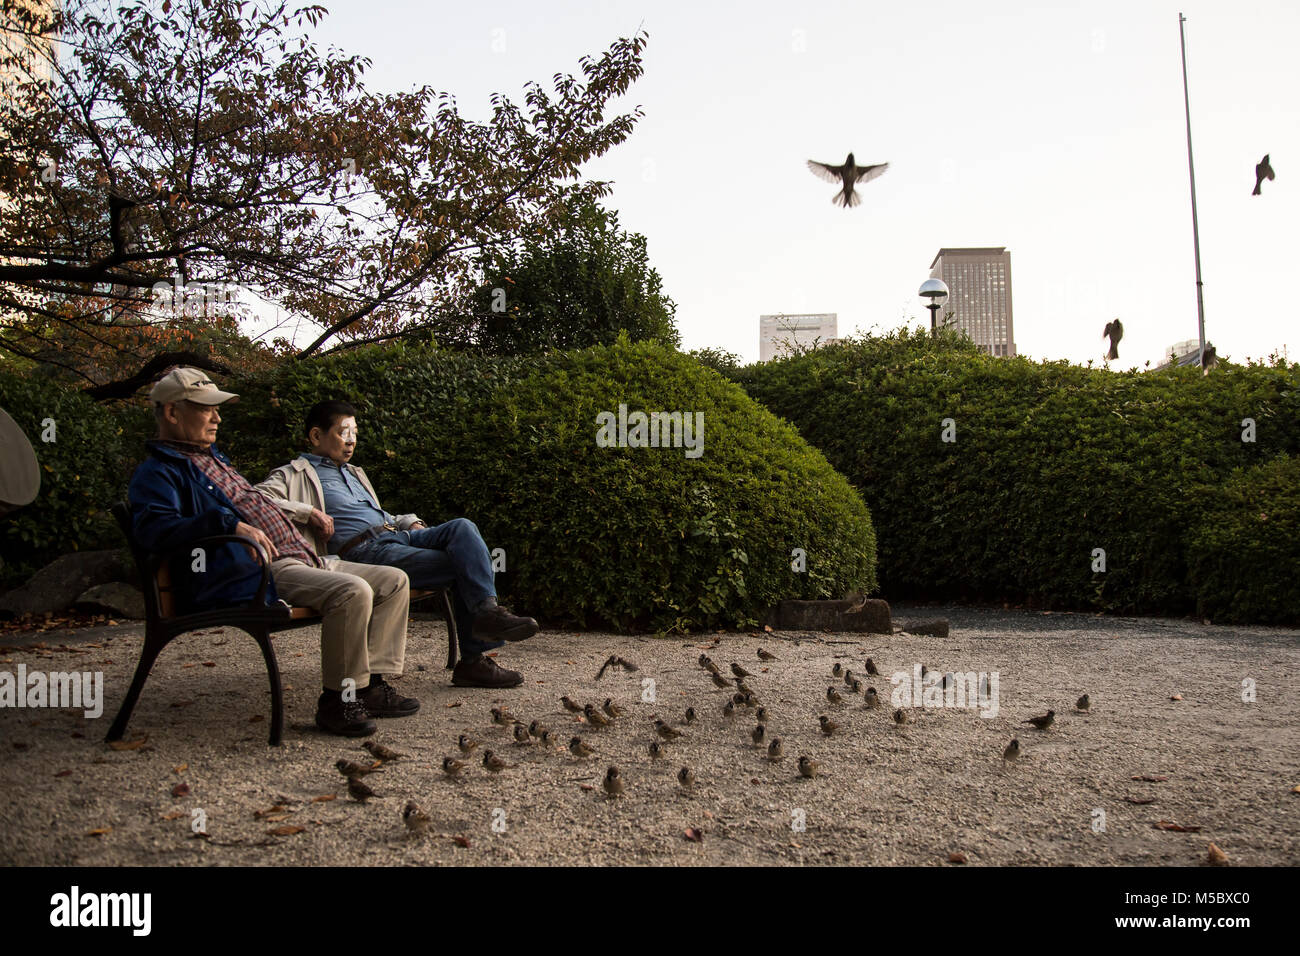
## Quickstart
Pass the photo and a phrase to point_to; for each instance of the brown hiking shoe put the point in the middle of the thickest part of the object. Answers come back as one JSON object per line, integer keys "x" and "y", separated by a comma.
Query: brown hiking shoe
{"x": 483, "y": 671}
{"x": 496, "y": 623}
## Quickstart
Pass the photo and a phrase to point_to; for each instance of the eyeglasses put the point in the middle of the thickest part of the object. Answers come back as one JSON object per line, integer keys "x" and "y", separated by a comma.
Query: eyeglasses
{"x": 348, "y": 434}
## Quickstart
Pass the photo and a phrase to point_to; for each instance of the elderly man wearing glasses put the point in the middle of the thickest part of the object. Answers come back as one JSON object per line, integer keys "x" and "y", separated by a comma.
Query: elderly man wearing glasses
{"x": 322, "y": 490}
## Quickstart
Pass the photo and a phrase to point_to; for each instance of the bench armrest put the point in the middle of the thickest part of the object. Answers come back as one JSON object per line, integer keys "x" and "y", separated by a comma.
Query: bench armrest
{"x": 158, "y": 557}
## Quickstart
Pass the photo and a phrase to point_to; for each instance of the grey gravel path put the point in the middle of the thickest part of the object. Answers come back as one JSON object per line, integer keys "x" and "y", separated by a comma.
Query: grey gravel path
{"x": 887, "y": 795}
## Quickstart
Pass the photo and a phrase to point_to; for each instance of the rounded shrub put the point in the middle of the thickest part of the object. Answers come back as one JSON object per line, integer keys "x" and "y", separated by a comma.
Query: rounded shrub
{"x": 622, "y": 536}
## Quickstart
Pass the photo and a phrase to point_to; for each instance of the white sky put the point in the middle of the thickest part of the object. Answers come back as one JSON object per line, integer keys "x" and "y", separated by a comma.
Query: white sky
{"x": 1054, "y": 129}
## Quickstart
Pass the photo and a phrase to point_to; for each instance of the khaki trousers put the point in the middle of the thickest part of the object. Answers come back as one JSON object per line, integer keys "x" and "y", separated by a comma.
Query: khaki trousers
{"x": 365, "y": 608}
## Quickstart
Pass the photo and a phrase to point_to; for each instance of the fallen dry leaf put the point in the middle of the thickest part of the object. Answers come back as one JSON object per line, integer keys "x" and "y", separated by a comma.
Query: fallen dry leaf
{"x": 209, "y": 663}
{"x": 128, "y": 744}
{"x": 461, "y": 841}
{"x": 1216, "y": 857}
{"x": 956, "y": 856}
{"x": 586, "y": 786}
{"x": 694, "y": 834}
{"x": 767, "y": 629}
{"x": 1140, "y": 801}
{"x": 174, "y": 815}
{"x": 1176, "y": 697}
{"x": 278, "y": 808}
{"x": 181, "y": 789}
{"x": 100, "y": 832}
{"x": 1176, "y": 827}
{"x": 64, "y": 773}
{"x": 256, "y": 719}
{"x": 277, "y": 817}
{"x": 181, "y": 703}
{"x": 181, "y": 769}
{"x": 324, "y": 798}
{"x": 454, "y": 703}
{"x": 1296, "y": 788}
{"x": 190, "y": 664}
{"x": 288, "y": 829}
{"x": 1147, "y": 778}
{"x": 708, "y": 815}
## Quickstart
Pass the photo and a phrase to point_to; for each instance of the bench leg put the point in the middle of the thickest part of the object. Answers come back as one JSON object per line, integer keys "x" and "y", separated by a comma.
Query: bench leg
{"x": 263, "y": 639}
{"x": 148, "y": 655}
{"x": 453, "y": 637}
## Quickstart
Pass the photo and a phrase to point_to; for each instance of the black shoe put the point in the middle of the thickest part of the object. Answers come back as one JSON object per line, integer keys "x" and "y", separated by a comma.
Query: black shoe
{"x": 483, "y": 671}
{"x": 496, "y": 623}
{"x": 334, "y": 715}
{"x": 383, "y": 700}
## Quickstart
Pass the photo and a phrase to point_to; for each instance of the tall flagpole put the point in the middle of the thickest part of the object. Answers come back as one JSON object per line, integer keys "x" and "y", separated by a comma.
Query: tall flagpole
{"x": 1191, "y": 171}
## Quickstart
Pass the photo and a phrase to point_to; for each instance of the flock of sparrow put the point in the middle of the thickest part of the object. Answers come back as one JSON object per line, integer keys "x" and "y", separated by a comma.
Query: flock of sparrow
{"x": 742, "y": 700}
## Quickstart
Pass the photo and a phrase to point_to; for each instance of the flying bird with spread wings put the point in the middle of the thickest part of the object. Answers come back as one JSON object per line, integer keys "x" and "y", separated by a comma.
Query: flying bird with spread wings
{"x": 848, "y": 176}
{"x": 1113, "y": 331}
{"x": 1263, "y": 171}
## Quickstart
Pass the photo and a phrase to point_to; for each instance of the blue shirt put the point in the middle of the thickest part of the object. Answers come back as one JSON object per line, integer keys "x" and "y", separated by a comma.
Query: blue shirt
{"x": 346, "y": 501}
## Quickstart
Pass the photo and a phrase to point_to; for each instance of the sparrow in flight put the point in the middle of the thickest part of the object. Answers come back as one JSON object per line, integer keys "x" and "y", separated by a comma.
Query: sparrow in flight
{"x": 848, "y": 176}
{"x": 1113, "y": 331}
{"x": 1263, "y": 171}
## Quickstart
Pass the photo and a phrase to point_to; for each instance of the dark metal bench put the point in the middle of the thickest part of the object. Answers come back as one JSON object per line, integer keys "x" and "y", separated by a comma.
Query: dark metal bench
{"x": 163, "y": 624}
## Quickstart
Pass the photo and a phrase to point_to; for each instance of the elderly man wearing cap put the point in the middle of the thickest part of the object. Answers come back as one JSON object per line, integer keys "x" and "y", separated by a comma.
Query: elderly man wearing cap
{"x": 186, "y": 489}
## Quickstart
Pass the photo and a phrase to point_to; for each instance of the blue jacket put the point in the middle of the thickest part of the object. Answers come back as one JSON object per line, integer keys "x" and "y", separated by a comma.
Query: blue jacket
{"x": 174, "y": 503}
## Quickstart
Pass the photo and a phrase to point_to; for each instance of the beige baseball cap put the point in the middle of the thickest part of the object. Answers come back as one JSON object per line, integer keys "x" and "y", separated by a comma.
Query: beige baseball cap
{"x": 189, "y": 385}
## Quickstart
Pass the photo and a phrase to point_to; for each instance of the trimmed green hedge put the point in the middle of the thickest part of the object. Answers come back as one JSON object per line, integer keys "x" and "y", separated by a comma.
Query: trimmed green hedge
{"x": 1050, "y": 462}
{"x": 623, "y": 537}
{"x": 1242, "y": 550}
{"x": 83, "y": 471}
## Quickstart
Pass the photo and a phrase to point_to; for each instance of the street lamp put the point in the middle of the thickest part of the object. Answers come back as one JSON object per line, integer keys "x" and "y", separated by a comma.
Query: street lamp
{"x": 937, "y": 293}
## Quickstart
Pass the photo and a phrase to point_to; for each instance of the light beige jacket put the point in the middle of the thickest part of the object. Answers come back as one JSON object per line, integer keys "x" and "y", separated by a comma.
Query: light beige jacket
{"x": 295, "y": 489}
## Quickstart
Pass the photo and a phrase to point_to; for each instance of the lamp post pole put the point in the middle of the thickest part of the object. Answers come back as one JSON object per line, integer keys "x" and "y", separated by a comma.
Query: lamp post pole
{"x": 1191, "y": 171}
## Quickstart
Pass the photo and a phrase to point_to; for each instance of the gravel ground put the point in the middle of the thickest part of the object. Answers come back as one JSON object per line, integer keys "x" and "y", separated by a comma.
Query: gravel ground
{"x": 887, "y": 794}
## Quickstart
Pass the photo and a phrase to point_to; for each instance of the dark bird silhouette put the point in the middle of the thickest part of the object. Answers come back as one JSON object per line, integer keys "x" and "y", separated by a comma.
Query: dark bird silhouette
{"x": 707, "y": 663}
{"x": 1113, "y": 331}
{"x": 1043, "y": 722}
{"x": 871, "y": 667}
{"x": 686, "y": 777}
{"x": 1209, "y": 359}
{"x": 380, "y": 752}
{"x": 1263, "y": 171}
{"x": 416, "y": 820}
{"x": 359, "y": 791}
{"x": 613, "y": 782}
{"x": 615, "y": 661}
{"x": 570, "y": 705}
{"x": 1083, "y": 703}
{"x": 807, "y": 767}
{"x": 1011, "y": 753}
{"x": 848, "y": 175}
{"x": 740, "y": 671}
{"x": 765, "y": 655}
{"x": 350, "y": 769}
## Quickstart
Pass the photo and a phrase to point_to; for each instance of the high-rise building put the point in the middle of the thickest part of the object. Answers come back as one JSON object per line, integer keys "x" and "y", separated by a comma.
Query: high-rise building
{"x": 979, "y": 295}
{"x": 784, "y": 334}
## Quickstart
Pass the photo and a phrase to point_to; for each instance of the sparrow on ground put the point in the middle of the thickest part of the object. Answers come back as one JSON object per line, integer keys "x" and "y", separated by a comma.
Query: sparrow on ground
{"x": 1263, "y": 171}
{"x": 743, "y": 687}
{"x": 834, "y": 696}
{"x": 570, "y": 705}
{"x": 837, "y": 670}
{"x": 720, "y": 681}
{"x": 750, "y": 700}
{"x": 416, "y": 820}
{"x": 765, "y": 655}
{"x": 657, "y": 750}
{"x": 1113, "y": 331}
{"x": 613, "y": 782}
{"x": 359, "y": 791}
{"x": 1083, "y": 703}
{"x": 900, "y": 717}
{"x": 466, "y": 743}
{"x": 807, "y": 767}
{"x": 501, "y": 718}
{"x": 757, "y": 734}
{"x": 549, "y": 739}
{"x": 580, "y": 749}
{"x": 848, "y": 175}
{"x": 856, "y": 686}
{"x": 872, "y": 698}
{"x": 666, "y": 732}
{"x": 707, "y": 663}
{"x": 535, "y": 729}
{"x": 612, "y": 708}
{"x": 828, "y": 726}
{"x": 739, "y": 671}
{"x": 521, "y": 735}
{"x": 351, "y": 769}
{"x": 686, "y": 777}
{"x": 493, "y": 763}
{"x": 380, "y": 752}
{"x": 690, "y": 715}
{"x": 871, "y": 667}
{"x": 775, "y": 749}
{"x": 452, "y": 767}
{"x": 595, "y": 717}
{"x": 1011, "y": 753}
{"x": 848, "y": 677}
{"x": 1043, "y": 722}
{"x": 738, "y": 699}
{"x": 729, "y": 709}
{"x": 761, "y": 715}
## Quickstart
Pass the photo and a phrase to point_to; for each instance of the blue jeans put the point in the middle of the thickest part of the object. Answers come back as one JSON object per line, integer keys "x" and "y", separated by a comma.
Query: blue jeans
{"x": 451, "y": 555}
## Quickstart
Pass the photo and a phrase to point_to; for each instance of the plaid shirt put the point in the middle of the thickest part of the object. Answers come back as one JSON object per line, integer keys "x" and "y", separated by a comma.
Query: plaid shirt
{"x": 253, "y": 507}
